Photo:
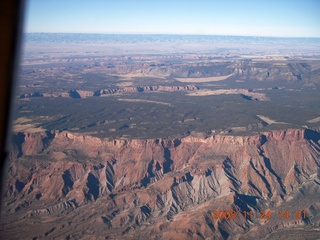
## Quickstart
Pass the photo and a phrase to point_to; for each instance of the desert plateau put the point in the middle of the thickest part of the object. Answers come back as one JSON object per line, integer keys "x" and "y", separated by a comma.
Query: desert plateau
{"x": 166, "y": 136}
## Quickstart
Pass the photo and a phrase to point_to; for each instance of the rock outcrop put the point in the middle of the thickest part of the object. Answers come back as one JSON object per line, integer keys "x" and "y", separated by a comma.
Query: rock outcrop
{"x": 85, "y": 94}
{"x": 156, "y": 187}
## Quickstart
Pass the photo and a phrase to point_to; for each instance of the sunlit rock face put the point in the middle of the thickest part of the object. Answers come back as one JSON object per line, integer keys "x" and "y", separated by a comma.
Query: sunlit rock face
{"x": 68, "y": 185}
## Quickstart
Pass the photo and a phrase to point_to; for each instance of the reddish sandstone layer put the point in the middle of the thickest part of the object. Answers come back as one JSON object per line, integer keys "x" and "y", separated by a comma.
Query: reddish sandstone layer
{"x": 137, "y": 182}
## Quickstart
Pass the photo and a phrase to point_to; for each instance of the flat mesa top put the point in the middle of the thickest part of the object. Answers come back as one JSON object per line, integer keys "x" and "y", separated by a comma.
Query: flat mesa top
{"x": 147, "y": 86}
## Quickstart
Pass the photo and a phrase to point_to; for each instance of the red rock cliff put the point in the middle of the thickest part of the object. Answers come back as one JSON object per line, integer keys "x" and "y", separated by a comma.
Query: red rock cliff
{"x": 158, "y": 177}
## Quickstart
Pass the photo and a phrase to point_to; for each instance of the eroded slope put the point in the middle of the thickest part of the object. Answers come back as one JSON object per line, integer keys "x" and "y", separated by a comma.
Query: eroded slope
{"x": 63, "y": 185}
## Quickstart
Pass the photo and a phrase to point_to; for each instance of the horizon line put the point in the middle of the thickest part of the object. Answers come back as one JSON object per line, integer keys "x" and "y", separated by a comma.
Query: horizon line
{"x": 174, "y": 34}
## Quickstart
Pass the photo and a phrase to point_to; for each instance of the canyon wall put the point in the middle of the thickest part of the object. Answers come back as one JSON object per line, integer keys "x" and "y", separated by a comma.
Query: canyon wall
{"x": 128, "y": 187}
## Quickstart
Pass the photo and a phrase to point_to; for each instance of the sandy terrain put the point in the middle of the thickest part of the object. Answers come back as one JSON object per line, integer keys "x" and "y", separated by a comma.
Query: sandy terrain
{"x": 268, "y": 120}
{"x": 140, "y": 75}
{"x": 142, "y": 100}
{"x": 259, "y": 96}
{"x": 30, "y": 128}
{"x": 315, "y": 120}
{"x": 24, "y": 124}
{"x": 201, "y": 80}
{"x": 125, "y": 84}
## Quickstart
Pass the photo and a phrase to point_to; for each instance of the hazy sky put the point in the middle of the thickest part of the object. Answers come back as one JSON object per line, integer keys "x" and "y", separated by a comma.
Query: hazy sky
{"x": 288, "y": 18}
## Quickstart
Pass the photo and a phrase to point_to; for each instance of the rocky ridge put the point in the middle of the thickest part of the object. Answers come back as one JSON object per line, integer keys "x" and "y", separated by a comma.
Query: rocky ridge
{"x": 156, "y": 187}
{"x": 84, "y": 93}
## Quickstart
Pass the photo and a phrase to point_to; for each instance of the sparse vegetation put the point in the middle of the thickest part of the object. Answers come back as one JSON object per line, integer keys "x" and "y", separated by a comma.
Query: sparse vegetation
{"x": 115, "y": 142}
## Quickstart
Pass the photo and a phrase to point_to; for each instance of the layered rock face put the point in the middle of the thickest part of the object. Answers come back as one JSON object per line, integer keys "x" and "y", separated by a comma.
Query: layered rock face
{"x": 97, "y": 93}
{"x": 64, "y": 185}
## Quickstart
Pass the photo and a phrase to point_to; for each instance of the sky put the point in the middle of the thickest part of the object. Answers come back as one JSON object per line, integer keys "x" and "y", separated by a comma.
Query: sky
{"x": 275, "y": 18}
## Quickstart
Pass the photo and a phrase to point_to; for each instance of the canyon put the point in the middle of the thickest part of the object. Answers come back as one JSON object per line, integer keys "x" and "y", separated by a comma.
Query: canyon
{"x": 164, "y": 137}
{"x": 75, "y": 186}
